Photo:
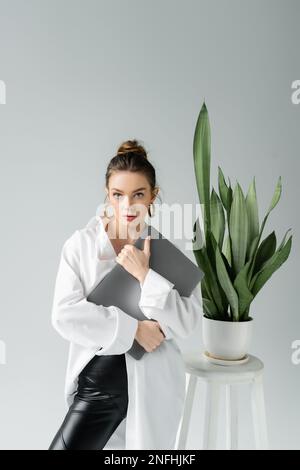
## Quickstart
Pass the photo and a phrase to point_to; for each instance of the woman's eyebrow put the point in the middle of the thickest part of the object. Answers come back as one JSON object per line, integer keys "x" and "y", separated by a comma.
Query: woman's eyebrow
{"x": 139, "y": 189}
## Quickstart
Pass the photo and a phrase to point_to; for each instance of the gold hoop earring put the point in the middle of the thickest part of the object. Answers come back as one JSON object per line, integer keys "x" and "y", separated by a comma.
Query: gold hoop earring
{"x": 149, "y": 212}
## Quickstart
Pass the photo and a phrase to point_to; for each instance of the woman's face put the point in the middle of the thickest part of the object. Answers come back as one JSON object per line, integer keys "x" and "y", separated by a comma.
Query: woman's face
{"x": 129, "y": 193}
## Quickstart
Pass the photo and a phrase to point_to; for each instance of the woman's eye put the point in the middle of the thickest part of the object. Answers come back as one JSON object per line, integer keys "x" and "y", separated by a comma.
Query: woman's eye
{"x": 137, "y": 194}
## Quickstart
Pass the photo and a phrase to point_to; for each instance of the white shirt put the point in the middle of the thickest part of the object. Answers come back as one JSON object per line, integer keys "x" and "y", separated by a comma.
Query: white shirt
{"x": 156, "y": 382}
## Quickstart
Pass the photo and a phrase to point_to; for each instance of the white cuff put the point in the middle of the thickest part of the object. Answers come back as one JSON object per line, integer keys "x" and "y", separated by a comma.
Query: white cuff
{"x": 154, "y": 290}
{"x": 125, "y": 334}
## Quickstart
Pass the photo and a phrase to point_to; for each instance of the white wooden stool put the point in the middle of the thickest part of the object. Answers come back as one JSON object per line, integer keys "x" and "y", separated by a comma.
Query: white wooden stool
{"x": 251, "y": 372}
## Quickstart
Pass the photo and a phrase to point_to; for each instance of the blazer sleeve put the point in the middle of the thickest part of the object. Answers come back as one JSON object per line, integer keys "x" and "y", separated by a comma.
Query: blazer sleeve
{"x": 179, "y": 315}
{"x": 82, "y": 322}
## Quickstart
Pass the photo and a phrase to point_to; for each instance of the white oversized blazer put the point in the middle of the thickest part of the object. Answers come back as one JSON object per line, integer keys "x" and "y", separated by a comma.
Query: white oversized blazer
{"x": 156, "y": 382}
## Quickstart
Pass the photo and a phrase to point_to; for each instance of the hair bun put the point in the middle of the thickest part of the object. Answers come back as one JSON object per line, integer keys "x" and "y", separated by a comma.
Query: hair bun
{"x": 132, "y": 146}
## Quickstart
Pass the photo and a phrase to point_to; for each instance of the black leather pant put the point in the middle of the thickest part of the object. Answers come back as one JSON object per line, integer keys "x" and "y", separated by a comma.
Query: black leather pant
{"x": 100, "y": 404}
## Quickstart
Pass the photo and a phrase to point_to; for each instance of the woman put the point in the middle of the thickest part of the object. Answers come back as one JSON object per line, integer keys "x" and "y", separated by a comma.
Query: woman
{"x": 115, "y": 401}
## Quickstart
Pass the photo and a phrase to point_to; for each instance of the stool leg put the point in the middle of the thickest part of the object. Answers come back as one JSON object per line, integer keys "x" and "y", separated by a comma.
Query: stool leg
{"x": 231, "y": 417}
{"x": 211, "y": 415}
{"x": 259, "y": 414}
{"x": 188, "y": 404}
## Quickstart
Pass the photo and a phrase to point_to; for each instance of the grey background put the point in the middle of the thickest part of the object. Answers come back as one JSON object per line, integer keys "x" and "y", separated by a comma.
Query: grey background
{"x": 83, "y": 76}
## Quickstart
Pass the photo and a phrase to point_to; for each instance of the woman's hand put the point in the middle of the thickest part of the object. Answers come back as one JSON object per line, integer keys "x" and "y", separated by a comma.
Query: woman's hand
{"x": 149, "y": 335}
{"x": 134, "y": 260}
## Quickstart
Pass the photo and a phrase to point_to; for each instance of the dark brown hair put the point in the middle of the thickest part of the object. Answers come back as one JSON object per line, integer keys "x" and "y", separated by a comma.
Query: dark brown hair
{"x": 132, "y": 156}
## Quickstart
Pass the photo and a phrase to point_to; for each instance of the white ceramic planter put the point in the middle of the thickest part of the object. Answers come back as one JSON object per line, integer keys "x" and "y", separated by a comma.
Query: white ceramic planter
{"x": 226, "y": 339}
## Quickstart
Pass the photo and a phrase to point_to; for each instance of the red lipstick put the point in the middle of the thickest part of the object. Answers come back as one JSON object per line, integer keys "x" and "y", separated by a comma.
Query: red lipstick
{"x": 130, "y": 217}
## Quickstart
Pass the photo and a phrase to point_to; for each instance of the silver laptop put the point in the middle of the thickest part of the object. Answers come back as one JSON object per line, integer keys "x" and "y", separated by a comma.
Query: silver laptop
{"x": 123, "y": 290}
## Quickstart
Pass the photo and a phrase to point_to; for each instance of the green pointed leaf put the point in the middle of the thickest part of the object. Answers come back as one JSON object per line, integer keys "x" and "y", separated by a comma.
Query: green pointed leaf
{"x": 276, "y": 195}
{"x": 209, "y": 308}
{"x": 241, "y": 286}
{"x": 217, "y": 218}
{"x": 278, "y": 258}
{"x": 198, "y": 239}
{"x": 205, "y": 289}
{"x": 252, "y": 254}
{"x": 227, "y": 285}
{"x": 223, "y": 190}
{"x": 201, "y": 152}
{"x": 228, "y": 267}
{"x": 205, "y": 264}
{"x": 274, "y": 201}
{"x": 265, "y": 250}
{"x": 211, "y": 253}
{"x": 227, "y": 250}
{"x": 253, "y": 247}
{"x": 283, "y": 240}
{"x": 238, "y": 229}
{"x": 252, "y": 212}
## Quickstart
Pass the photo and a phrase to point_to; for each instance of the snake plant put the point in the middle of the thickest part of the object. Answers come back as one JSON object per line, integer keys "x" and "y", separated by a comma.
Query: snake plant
{"x": 235, "y": 262}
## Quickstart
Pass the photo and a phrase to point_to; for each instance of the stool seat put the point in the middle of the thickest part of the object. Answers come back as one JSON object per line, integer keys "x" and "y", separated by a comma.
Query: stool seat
{"x": 215, "y": 376}
{"x": 198, "y": 365}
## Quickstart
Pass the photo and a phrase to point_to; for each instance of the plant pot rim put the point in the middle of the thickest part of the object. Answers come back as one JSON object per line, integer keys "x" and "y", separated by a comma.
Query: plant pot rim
{"x": 228, "y": 321}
